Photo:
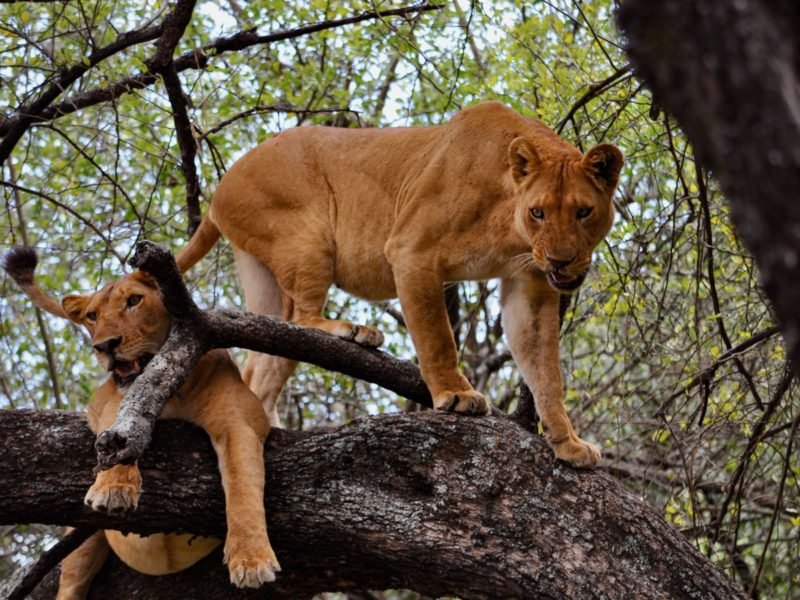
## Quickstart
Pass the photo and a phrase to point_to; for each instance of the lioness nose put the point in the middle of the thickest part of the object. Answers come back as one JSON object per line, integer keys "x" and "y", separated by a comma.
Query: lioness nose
{"x": 559, "y": 263}
{"x": 108, "y": 346}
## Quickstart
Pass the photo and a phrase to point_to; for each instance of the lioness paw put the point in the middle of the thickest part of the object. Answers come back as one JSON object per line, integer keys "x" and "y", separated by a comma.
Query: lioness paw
{"x": 465, "y": 402}
{"x": 115, "y": 490}
{"x": 578, "y": 453}
{"x": 254, "y": 570}
{"x": 367, "y": 336}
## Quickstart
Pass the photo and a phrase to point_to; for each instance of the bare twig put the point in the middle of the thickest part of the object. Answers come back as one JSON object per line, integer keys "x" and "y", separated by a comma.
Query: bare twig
{"x": 595, "y": 90}
{"x": 707, "y": 373}
{"x": 69, "y": 210}
{"x": 14, "y": 128}
{"x": 778, "y": 505}
{"x": 705, "y": 211}
{"x": 193, "y": 59}
{"x": 734, "y": 485}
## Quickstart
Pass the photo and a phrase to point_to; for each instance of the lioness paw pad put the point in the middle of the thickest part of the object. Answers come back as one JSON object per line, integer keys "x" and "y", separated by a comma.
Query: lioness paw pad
{"x": 466, "y": 402}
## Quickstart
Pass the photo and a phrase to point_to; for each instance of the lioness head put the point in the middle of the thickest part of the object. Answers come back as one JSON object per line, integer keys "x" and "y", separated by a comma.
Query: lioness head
{"x": 564, "y": 207}
{"x": 127, "y": 322}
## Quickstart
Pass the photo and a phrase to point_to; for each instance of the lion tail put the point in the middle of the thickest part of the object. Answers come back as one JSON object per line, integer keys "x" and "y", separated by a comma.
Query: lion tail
{"x": 201, "y": 243}
{"x": 20, "y": 262}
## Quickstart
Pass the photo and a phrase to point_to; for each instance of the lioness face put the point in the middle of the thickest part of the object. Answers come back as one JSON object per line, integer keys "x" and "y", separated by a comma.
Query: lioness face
{"x": 127, "y": 322}
{"x": 564, "y": 208}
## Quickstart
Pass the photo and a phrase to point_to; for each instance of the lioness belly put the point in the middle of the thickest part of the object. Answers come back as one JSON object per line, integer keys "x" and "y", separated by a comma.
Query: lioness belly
{"x": 160, "y": 553}
{"x": 367, "y": 275}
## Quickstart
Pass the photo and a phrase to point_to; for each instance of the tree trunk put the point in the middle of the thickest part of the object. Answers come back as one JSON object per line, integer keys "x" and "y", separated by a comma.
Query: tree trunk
{"x": 441, "y": 504}
{"x": 730, "y": 73}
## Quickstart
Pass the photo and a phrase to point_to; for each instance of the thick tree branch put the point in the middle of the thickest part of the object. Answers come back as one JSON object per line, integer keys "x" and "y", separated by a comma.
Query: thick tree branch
{"x": 186, "y": 142}
{"x": 31, "y": 576}
{"x": 442, "y": 504}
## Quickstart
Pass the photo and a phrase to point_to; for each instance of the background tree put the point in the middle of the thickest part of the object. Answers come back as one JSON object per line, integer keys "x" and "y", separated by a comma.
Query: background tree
{"x": 672, "y": 360}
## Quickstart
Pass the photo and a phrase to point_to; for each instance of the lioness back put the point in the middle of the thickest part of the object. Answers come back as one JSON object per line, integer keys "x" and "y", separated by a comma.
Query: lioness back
{"x": 345, "y": 191}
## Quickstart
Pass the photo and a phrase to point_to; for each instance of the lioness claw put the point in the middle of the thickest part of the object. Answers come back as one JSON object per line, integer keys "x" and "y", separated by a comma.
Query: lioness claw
{"x": 253, "y": 572}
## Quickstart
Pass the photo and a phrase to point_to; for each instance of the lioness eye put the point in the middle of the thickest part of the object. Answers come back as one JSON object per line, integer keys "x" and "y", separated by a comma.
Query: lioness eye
{"x": 134, "y": 300}
{"x": 537, "y": 213}
{"x": 91, "y": 316}
{"x": 584, "y": 212}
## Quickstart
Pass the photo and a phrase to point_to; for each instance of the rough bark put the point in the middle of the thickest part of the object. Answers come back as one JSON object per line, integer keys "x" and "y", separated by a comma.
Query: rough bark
{"x": 730, "y": 73}
{"x": 442, "y": 504}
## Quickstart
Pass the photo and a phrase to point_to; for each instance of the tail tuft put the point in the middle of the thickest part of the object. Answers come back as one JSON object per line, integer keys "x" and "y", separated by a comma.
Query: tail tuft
{"x": 20, "y": 262}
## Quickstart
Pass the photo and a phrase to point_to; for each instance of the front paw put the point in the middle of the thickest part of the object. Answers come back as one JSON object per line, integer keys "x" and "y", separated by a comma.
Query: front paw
{"x": 367, "y": 336}
{"x": 252, "y": 568}
{"x": 578, "y": 453}
{"x": 465, "y": 402}
{"x": 115, "y": 490}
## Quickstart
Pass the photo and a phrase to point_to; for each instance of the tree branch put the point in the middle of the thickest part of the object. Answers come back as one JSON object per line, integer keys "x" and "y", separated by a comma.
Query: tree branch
{"x": 45, "y": 564}
{"x": 174, "y": 26}
{"x": 441, "y": 504}
{"x": 594, "y": 91}
{"x": 193, "y": 59}
{"x": 14, "y": 128}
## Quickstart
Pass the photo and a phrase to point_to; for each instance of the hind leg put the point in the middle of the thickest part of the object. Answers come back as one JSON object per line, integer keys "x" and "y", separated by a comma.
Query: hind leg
{"x": 79, "y": 568}
{"x": 115, "y": 489}
{"x": 264, "y": 374}
{"x": 298, "y": 293}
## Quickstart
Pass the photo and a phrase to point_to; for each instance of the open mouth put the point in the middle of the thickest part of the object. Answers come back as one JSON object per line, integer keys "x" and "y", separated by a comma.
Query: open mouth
{"x": 564, "y": 282}
{"x": 125, "y": 371}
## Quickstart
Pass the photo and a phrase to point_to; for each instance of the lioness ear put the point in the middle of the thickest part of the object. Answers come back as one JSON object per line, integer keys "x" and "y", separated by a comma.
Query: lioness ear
{"x": 523, "y": 158}
{"x": 145, "y": 279}
{"x": 603, "y": 164}
{"x": 74, "y": 306}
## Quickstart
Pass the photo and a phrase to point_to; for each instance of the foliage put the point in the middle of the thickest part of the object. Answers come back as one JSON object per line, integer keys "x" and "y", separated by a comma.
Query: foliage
{"x": 658, "y": 366}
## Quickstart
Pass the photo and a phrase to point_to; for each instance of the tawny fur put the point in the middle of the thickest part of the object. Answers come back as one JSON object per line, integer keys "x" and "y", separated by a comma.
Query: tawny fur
{"x": 129, "y": 312}
{"x": 398, "y": 212}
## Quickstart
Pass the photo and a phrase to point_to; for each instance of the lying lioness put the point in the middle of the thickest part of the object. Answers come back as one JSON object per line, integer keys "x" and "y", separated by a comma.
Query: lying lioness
{"x": 397, "y": 212}
{"x": 128, "y": 324}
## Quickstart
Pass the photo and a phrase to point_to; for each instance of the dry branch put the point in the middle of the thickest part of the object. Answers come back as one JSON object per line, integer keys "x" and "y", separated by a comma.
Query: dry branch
{"x": 442, "y": 504}
{"x": 195, "y": 332}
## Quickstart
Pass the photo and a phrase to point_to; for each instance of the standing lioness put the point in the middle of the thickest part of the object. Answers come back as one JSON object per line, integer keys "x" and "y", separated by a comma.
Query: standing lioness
{"x": 397, "y": 212}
